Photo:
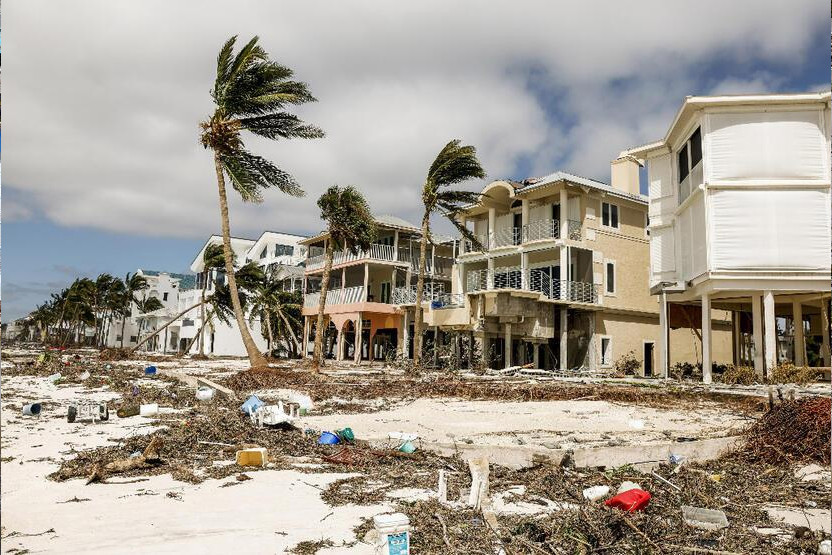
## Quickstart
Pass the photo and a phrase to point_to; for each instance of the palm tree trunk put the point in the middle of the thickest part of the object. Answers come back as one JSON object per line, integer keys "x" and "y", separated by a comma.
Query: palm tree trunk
{"x": 289, "y": 328}
{"x": 123, "y": 322}
{"x": 201, "y": 318}
{"x": 198, "y": 333}
{"x": 169, "y": 322}
{"x": 420, "y": 285}
{"x": 255, "y": 357}
{"x": 318, "y": 353}
{"x": 269, "y": 330}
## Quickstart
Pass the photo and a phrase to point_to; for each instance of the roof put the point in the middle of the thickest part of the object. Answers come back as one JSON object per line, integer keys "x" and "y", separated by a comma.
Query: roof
{"x": 388, "y": 221}
{"x": 236, "y": 243}
{"x": 278, "y": 235}
{"x": 535, "y": 183}
{"x": 693, "y": 103}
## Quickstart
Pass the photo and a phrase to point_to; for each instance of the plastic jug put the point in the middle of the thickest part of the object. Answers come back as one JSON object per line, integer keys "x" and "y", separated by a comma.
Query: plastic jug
{"x": 631, "y": 500}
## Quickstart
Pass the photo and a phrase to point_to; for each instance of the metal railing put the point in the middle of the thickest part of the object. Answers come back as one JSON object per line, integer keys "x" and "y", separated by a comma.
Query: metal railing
{"x": 506, "y": 237}
{"x": 375, "y": 252}
{"x": 347, "y": 295}
{"x": 541, "y": 229}
{"x": 536, "y": 231}
{"x": 573, "y": 229}
{"x": 435, "y": 296}
{"x": 468, "y": 245}
{"x": 538, "y": 281}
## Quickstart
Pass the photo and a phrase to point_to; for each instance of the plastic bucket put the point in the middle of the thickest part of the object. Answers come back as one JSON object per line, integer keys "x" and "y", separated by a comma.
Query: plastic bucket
{"x": 328, "y": 438}
{"x": 346, "y": 435}
{"x": 204, "y": 393}
{"x": 32, "y": 409}
{"x": 407, "y": 447}
{"x": 252, "y": 404}
{"x": 150, "y": 371}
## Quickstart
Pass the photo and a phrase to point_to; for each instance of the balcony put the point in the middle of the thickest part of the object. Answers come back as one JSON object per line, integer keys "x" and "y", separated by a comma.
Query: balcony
{"x": 438, "y": 299}
{"x": 375, "y": 252}
{"x": 511, "y": 277}
{"x": 539, "y": 230}
{"x": 347, "y": 295}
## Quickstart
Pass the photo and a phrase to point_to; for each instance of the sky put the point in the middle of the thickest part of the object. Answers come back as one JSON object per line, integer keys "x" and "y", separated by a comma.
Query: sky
{"x": 103, "y": 170}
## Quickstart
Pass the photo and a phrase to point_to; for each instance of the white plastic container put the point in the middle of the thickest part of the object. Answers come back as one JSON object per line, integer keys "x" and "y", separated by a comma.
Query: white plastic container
{"x": 705, "y": 519}
{"x": 54, "y": 377}
{"x": 825, "y": 547}
{"x": 627, "y": 485}
{"x": 149, "y": 410}
{"x": 204, "y": 393}
{"x": 596, "y": 492}
{"x": 393, "y": 534}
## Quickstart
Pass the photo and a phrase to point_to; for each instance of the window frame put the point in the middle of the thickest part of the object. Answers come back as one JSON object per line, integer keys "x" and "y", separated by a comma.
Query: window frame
{"x": 609, "y": 225}
{"x": 687, "y": 148}
{"x": 601, "y": 358}
{"x": 608, "y": 263}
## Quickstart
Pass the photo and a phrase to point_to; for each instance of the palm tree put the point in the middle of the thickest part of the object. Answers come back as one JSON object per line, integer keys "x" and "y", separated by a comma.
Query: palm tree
{"x": 250, "y": 93}
{"x": 212, "y": 259}
{"x": 278, "y": 312}
{"x": 133, "y": 283}
{"x": 350, "y": 226}
{"x": 453, "y": 165}
{"x": 148, "y": 304}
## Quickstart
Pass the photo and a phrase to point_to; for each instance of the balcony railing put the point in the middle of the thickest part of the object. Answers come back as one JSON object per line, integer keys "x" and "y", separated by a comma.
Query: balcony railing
{"x": 541, "y": 230}
{"x": 539, "y": 281}
{"x": 348, "y": 295}
{"x": 573, "y": 230}
{"x": 536, "y": 231}
{"x": 375, "y": 252}
{"x": 436, "y": 297}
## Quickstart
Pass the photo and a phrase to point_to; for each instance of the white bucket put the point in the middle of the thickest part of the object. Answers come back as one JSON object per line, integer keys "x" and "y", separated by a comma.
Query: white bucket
{"x": 393, "y": 534}
{"x": 149, "y": 410}
{"x": 204, "y": 393}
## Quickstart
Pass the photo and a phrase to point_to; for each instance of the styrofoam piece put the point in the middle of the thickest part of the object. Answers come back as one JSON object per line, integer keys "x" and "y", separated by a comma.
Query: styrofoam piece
{"x": 151, "y": 409}
{"x": 402, "y": 436}
{"x": 257, "y": 456}
{"x": 596, "y": 492}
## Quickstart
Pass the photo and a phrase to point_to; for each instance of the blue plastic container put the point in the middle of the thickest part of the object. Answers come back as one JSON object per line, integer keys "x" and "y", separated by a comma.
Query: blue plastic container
{"x": 252, "y": 404}
{"x": 150, "y": 371}
{"x": 328, "y": 438}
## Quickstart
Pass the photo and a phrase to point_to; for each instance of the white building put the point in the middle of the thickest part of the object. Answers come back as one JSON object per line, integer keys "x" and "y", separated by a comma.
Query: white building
{"x": 740, "y": 220}
{"x": 278, "y": 253}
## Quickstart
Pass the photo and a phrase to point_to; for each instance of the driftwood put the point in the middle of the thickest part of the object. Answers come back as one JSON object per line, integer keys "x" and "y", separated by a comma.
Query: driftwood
{"x": 149, "y": 457}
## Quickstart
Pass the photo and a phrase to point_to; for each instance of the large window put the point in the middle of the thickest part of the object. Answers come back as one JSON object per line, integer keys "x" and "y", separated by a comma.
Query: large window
{"x": 284, "y": 250}
{"x": 609, "y": 215}
{"x": 687, "y": 159}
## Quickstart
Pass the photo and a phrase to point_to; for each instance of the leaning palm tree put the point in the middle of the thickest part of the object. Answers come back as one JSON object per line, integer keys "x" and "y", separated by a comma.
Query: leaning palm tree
{"x": 251, "y": 93}
{"x": 212, "y": 259}
{"x": 453, "y": 165}
{"x": 350, "y": 226}
{"x": 278, "y": 312}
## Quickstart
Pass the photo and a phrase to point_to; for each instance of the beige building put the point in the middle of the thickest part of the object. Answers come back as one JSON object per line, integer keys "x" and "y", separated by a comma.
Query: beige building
{"x": 363, "y": 311}
{"x": 560, "y": 278}
{"x": 740, "y": 221}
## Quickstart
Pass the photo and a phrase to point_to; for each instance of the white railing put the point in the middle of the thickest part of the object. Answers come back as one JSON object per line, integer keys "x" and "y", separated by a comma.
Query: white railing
{"x": 506, "y": 237}
{"x": 573, "y": 228}
{"x": 375, "y": 252}
{"x": 347, "y": 295}
{"x": 468, "y": 245}
{"x": 541, "y": 230}
{"x": 434, "y": 295}
{"x": 538, "y": 281}
{"x": 691, "y": 182}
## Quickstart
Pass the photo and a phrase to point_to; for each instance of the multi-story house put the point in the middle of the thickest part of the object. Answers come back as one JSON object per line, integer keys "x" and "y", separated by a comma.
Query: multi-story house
{"x": 277, "y": 253}
{"x": 367, "y": 290}
{"x": 165, "y": 286}
{"x": 740, "y": 220}
{"x": 560, "y": 276}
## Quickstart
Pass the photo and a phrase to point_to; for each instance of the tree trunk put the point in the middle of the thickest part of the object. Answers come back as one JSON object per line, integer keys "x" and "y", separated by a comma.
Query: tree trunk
{"x": 269, "y": 330}
{"x": 201, "y": 318}
{"x": 198, "y": 333}
{"x": 123, "y": 322}
{"x": 420, "y": 285}
{"x": 318, "y": 353}
{"x": 289, "y": 327}
{"x": 157, "y": 332}
{"x": 255, "y": 357}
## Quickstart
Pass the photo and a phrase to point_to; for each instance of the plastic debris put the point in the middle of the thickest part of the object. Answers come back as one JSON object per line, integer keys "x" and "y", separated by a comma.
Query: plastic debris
{"x": 328, "y": 438}
{"x": 256, "y": 456}
{"x": 705, "y": 519}
{"x": 54, "y": 377}
{"x": 631, "y": 500}
{"x": 627, "y": 485}
{"x": 32, "y": 409}
{"x": 676, "y": 459}
{"x": 204, "y": 393}
{"x": 151, "y": 409}
{"x": 407, "y": 447}
{"x": 252, "y": 404}
{"x": 596, "y": 492}
{"x": 825, "y": 547}
{"x": 150, "y": 371}
{"x": 393, "y": 534}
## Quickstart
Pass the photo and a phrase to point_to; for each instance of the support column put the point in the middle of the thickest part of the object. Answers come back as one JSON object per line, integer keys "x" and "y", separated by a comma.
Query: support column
{"x": 524, "y": 219}
{"x": 492, "y": 223}
{"x": 563, "y": 286}
{"x": 404, "y": 336}
{"x": 396, "y": 245}
{"x": 366, "y": 295}
{"x": 564, "y": 338}
{"x": 305, "y": 345}
{"x": 489, "y": 275}
{"x": 524, "y": 271}
{"x": 799, "y": 339}
{"x": 339, "y": 354}
{"x": 664, "y": 358}
{"x": 536, "y": 355}
{"x": 435, "y": 346}
{"x": 707, "y": 361}
{"x": 770, "y": 328}
{"x": 593, "y": 348}
{"x": 735, "y": 337}
{"x": 343, "y": 281}
{"x": 564, "y": 225}
{"x": 359, "y": 337}
{"x": 824, "y": 323}
{"x": 757, "y": 328}
{"x": 507, "y": 349}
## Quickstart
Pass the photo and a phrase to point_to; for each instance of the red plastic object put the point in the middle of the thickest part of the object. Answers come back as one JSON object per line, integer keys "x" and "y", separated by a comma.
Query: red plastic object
{"x": 631, "y": 500}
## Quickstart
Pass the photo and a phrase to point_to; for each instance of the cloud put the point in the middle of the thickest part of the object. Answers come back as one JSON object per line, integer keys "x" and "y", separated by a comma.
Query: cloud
{"x": 107, "y": 96}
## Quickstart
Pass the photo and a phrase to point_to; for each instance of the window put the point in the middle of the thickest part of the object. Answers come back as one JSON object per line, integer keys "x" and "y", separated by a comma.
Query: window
{"x": 118, "y": 338}
{"x": 164, "y": 296}
{"x": 647, "y": 224}
{"x": 682, "y": 159}
{"x": 606, "y": 351}
{"x": 688, "y": 158}
{"x": 187, "y": 322}
{"x": 284, "y": 250}
{"x": 264, "y": 252}
{"x": 133, "y": 339}
{"x": 609, "y": 215}
{"x": 695, "y": 148}
{"x": 609, "y": 274}
{"x": 385, "y": 292}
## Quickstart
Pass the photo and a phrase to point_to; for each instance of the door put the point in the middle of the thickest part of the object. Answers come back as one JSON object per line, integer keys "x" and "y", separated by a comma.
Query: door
{"x": 385, "y": 292}
{"x": 518, "y": 228}
{"x": 648, "y": 359}
{"x": 556, "y": 218}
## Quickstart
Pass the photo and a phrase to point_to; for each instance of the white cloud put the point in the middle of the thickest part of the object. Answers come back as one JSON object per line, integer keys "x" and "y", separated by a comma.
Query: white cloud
{"x": 103, "y": 98}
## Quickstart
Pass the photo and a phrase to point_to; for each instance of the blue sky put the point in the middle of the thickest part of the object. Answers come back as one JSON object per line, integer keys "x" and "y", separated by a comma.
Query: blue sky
{"x": 104, "y": 173}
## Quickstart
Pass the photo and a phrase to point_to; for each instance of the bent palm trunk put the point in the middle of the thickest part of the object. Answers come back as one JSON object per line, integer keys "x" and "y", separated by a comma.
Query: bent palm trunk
{"x": 255, "y": 357}
{"x": 420, "y": 285}
{"x": 318, "y": 354}
{"x": 169, "y": 322}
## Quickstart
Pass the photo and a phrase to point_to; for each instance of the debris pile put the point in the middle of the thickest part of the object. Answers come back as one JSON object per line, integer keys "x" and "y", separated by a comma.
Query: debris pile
{"x": 791, "y": 431}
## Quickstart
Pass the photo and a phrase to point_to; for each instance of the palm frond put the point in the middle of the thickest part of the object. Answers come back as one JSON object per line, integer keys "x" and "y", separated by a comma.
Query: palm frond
{"x": 281, "y": 125}
{"x": 349, "y": 218}
{"x": 454, "y": 164}
{"x": 249, "y": 174}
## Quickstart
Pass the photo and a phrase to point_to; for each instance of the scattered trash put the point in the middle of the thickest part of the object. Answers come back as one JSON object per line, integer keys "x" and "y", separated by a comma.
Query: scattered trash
{"x": 303, "y": 401}
{"x": 401, "y": 436}
{"x": 271, "y": 415}
{"x": 87, "y": 411}
{"x": 204, "y": 393}
{"x": 128, "y": 411}
{"x": 705, "y": 519}
{"x": 668, "y": 482}
{"x": 135, "y": 454}
{"x": 84, "y": 376}
{"x": 825, "y": 547}
{"x": 346, "y": 435}
{"x": 150, "y": 371}
{"x": 407, "y": 447}
{"x": 627, "y": 485}
{"x": 715, "y": 477}
{"x": 442, "y": 489}
{"x": 676, "y": 459}
{"x": 256, "y": 456}
{"x": 54, "y": 377}
{"x": 636, "y": 424}
{"x": 596, "y": 492}
{"x": 134, "y": 390}
{"x": 151, "y": 409}
{"x": 251, "y": 405}
{"x": 393, "y": 534}
{"x": 32, "y": 409}
{"x": 479, "y": 481}
{"x": 631, "y": 500}
{"x": 328, "y": 438}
